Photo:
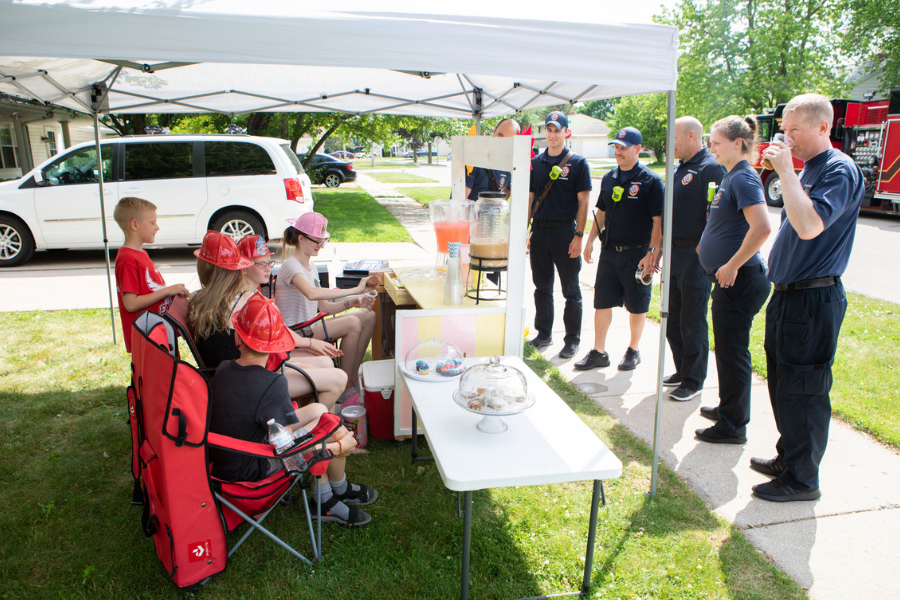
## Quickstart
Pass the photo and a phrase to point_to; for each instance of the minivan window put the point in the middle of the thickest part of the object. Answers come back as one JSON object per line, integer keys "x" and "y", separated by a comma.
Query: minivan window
{"x": 292, "y": 156}
{"x": 165, "y": 160}
{"x": 78, "y": 167}
{"x": 237, "y": 158}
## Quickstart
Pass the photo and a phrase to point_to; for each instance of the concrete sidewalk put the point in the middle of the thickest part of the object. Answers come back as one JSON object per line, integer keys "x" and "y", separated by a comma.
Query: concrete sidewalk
{"x": 842, "y": 546}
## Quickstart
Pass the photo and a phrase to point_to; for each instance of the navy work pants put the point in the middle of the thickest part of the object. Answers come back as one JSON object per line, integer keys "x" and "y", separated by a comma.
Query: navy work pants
{"x": 802, "y": 328}
{"x": 549, "y": 250}
{"x": 733, "y": 309}
{"x": 686, "y": 329}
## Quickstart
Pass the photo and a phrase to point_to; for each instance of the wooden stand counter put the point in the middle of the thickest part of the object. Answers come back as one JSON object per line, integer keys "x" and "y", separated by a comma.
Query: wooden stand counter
{"x": 430, "y": 295}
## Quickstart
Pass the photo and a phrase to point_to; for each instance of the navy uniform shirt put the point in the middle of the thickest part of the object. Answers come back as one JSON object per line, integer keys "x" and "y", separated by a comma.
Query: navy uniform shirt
{"x": 691, "y": 203}
{"x": 835, "y": 185}
{"x": 727, "y": 226}
{"x": 561, "y": 203}
{"x": 480, "y": 181}
{"x": 629, "y": 222}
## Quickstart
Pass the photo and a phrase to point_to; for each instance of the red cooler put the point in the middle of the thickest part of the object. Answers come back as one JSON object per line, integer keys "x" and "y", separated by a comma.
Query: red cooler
{"x": 378, "y": 383}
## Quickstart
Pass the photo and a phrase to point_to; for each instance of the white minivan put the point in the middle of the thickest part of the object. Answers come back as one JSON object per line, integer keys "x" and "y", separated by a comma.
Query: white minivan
{"x": 235, "y": 184}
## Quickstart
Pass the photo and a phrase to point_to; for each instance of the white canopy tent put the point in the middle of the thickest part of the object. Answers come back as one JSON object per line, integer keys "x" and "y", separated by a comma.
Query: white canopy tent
{"x": 461, "y": 59}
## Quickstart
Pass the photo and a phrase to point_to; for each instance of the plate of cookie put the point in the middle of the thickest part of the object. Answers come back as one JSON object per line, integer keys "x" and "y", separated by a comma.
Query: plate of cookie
{"x": 434, "y": 360}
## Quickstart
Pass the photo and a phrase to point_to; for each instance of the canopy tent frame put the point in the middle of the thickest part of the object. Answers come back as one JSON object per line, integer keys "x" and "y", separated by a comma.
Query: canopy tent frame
{"x": 221, "y": 38}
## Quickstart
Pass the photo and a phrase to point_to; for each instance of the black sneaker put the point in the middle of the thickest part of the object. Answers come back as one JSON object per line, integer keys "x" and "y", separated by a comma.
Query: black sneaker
{"x": 715, "y": 436}
{"x": 778, "y": 491}
{"x": 569, "y": 350}
{"x": 631, "y": 360}
{"x": 673, "y": 380}
{"x": 592, "y": 360}
{"x": 683, "y": 394}
{"x": 540, "y": 342}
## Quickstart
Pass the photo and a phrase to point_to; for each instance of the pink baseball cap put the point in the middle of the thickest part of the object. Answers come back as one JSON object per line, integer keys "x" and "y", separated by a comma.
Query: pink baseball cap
{"x": 312, "y": 224}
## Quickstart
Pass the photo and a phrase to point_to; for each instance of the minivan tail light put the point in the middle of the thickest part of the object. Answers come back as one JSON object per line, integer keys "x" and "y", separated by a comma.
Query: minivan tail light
{"x": 293, "y": 189}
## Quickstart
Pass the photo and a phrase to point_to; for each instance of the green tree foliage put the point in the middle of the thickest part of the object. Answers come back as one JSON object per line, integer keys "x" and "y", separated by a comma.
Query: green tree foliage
{"x": 420, "y": 132}
{"x": 599, "y": 109}
{"x": 647, "y": 114}
{"x": 741, "y": 56}
{"x": 873, "y": 35}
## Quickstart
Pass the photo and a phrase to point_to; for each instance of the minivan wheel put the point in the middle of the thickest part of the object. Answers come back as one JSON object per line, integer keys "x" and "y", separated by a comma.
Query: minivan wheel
{"x": 16, "y": 243}
{"x": 237, "y": 224}
{"x": 332, "y": 180}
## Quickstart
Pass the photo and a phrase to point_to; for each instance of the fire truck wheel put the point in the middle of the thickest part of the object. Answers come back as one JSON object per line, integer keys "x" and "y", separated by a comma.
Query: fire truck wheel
{"x": 773, "y": 191}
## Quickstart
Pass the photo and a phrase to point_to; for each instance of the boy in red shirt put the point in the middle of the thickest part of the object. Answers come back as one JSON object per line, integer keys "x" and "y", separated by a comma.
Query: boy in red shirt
{"x": 139, "y": 284}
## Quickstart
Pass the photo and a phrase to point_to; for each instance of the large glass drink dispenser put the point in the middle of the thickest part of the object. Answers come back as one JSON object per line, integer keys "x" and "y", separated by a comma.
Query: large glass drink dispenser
{"x": 451, "y": 224}
{"x": 488, "y": 245}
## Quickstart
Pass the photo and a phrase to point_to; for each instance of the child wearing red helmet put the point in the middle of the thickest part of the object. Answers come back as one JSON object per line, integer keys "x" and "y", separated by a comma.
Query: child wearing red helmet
{"x": 299, "y": 297}
{"x": 221, "y": 270}
{"x": 244, "y": 395}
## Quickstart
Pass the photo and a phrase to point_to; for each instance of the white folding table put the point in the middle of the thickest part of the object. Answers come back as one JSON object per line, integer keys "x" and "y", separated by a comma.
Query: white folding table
{"x": 547, "y": 443}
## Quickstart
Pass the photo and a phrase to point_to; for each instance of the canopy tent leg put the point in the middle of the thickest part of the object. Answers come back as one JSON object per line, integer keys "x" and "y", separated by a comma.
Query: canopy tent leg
{"x": 667, "y": 267}
{"x": 112, "y": 312}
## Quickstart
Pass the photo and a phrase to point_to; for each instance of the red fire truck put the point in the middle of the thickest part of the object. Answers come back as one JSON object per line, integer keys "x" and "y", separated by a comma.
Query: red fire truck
{"x": 867, "y": 131}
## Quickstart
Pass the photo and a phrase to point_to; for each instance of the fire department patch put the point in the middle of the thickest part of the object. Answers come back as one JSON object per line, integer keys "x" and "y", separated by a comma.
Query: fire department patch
{"x": 687, "y": 179}
{"x": 502, "y": 181}
{"x": 717, "y": 198}
{"x": 565, "y": 171}
{"x": 634, "y": 189}
{"x": 554, "y": 116}
{"x": 200, "y": 551}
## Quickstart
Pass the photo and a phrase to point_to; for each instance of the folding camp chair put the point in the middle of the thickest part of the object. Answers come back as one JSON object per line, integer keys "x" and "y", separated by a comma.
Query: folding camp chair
{"x": 185, "y": 510}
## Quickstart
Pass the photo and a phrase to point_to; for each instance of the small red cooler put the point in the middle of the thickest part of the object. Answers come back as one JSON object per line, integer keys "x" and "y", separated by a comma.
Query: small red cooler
{"x": 378, "y": 383}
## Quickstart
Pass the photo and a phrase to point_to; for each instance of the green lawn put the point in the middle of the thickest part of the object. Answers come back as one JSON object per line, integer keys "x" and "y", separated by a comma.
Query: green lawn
{"x": 424, "y": 195}
{"x": 362, "y": 164}
{"x": 866, "y": 390}
{"x": 348, "y": 208}
{"x": 67, "y": 529}
{"x": 400, "y": 178}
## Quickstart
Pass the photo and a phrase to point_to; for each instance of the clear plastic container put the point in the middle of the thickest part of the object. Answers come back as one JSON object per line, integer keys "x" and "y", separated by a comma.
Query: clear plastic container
{"x": 494, "y": 387}
{"x": 434, "y": 359}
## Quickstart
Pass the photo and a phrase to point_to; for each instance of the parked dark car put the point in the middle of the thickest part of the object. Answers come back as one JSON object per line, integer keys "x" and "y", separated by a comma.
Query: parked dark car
{"x": 330, "y": 171}
{"x": 343, "y": 155}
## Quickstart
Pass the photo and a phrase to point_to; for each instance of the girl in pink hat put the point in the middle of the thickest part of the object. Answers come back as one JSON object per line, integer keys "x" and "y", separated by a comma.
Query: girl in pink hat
{"x": 299, "y": 297}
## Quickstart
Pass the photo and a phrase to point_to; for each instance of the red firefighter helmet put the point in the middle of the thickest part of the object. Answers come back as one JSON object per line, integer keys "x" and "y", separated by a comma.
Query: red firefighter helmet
{"x": 261, "y": 327}
{"x": 220, "y": 250}
{"x": 253, "y": 246}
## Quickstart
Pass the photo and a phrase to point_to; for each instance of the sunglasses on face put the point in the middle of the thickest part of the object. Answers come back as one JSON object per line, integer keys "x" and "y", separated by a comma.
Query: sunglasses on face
{"x": 314, "y": 240}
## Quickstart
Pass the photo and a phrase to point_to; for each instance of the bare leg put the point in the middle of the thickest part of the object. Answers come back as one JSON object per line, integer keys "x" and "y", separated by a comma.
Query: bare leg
{"x": 355, "y": 332}
{"x": 330, "y": 382}
{"x": 602, "y": 321}
{"x": 636, "y": 323}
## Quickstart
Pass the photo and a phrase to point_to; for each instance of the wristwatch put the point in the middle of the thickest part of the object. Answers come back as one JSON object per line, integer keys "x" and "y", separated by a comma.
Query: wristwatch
{"x": 579, "y": 233}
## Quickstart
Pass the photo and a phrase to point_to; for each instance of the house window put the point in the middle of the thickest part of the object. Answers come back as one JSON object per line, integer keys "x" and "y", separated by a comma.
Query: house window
{"x": 7, "y": 147}
{"x": 50, "y": 136}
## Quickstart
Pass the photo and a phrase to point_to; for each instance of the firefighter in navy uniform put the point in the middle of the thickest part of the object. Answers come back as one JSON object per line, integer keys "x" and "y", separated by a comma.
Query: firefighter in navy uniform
{"x": 806, "y": 310}
{"x": 559, "y": 215}
{"x": 629, "y": 211}
{"x": 686, "y": 329}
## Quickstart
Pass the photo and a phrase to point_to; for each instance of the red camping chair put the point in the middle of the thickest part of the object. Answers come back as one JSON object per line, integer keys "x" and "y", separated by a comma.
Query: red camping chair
{"x": 186, "y": 512}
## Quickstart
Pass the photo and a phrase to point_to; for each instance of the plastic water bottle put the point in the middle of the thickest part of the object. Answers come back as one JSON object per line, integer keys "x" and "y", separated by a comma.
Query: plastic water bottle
{"x": 281, "y": 438}
{"x": 453, "y": 292}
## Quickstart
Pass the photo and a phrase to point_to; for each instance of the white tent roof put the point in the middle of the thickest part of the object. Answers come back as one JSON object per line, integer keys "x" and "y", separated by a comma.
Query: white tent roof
{"x": 275, "y": 55}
